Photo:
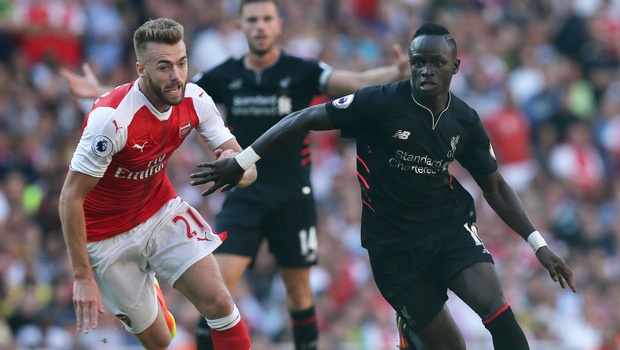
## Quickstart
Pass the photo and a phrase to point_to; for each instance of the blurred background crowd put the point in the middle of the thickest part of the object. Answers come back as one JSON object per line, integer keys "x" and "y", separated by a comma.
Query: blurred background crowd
{"x": 544, "y": 76}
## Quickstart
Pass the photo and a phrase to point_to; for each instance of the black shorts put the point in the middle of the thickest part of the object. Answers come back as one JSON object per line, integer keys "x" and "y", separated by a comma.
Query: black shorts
{"x": 289, "y": 227}
{"x": 415, "y": 281}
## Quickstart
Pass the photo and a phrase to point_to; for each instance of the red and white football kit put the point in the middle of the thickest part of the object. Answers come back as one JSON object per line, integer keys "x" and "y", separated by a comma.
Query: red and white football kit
{"x": 127, "y": 143}
{"x": 136, "y": 225}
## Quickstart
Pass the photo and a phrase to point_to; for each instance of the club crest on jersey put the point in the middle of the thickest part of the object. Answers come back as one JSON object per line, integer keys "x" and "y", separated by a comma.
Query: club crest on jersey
{"x": 285, "y": 105}
{"x": 185, "y": 129}
{"x": 343, "y": 102}
{"x": 101, "y": 146}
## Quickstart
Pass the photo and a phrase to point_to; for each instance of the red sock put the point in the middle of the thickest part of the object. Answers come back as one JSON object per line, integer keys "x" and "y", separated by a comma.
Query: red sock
{"x": 235, "y": 338}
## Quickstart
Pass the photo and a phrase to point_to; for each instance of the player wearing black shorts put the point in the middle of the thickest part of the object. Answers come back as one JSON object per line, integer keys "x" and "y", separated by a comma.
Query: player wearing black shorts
{"x": 255, "y": 92}
{"x": 280, "y": 207}
{"x": 417, "y": 220}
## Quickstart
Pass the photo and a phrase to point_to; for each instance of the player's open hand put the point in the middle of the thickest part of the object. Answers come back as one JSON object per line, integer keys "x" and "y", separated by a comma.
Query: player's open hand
{"x": 87, "y": 304}
{"x": 557, "y": 267}
{"x": 225, "y": 173}
{"x": 402, "y": 62}
{"x": 83, "y": 86}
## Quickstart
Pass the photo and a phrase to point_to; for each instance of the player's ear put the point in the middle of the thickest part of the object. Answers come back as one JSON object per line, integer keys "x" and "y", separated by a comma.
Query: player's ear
{"x": 140, "y": 69}
{"x": 457, "y": 64}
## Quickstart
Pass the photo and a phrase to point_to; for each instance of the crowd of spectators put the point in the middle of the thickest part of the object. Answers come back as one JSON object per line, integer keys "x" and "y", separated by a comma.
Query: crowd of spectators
{"x": 544, "y": 76}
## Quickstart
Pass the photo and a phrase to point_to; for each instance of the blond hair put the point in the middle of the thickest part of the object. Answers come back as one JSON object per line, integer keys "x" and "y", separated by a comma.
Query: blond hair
{"x": 161, "y": 30}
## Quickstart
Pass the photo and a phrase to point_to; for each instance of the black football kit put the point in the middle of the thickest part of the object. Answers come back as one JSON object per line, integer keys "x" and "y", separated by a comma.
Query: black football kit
{"x": 417, "y": 219}
{"x": 280, "y": 204}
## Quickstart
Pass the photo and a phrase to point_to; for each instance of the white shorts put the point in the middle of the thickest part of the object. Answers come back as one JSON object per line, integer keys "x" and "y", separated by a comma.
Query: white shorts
{"x": 167, "y": 244}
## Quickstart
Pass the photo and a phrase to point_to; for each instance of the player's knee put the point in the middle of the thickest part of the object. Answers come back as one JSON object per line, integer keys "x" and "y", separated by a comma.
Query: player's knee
{"x": 442, "y": 333}
{"x": 155, "y": 340}
{"x": 299, "y": 298}
{"x": 491, "y": 307}
{"x": 216, "y": 306}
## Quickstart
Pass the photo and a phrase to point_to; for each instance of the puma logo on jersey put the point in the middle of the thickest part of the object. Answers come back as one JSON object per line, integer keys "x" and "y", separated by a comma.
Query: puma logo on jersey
{"x": 401, "y": 134}
{"x": 116, "y": 126}
{"x": 140, "y": 147}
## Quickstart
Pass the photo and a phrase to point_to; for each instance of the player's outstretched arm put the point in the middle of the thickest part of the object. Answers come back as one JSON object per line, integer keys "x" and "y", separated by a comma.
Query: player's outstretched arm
{"x": 344, "y": 82}
{"x": 84, "y": 86}
{"x": 226, "y": 173}
{"x": 505, "y": 202}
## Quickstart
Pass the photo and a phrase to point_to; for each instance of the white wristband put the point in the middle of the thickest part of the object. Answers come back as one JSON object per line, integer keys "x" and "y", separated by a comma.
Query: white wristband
{"x": 536, "y": 241}
{"x": 247, "y": 158}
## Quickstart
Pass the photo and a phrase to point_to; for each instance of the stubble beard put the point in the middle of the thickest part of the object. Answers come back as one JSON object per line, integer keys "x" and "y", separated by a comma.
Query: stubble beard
{"x": 161, "y": 95}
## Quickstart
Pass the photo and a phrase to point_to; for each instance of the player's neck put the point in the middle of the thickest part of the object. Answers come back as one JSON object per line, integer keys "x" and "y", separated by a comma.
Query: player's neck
{"x": 259, "y": 62}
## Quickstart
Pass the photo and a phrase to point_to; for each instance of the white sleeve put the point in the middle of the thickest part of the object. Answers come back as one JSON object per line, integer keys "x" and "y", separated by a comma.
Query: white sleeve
{"x": 324, "y": 78}
{"x": 100, "y": 140}
{"x": 211, "y": 126}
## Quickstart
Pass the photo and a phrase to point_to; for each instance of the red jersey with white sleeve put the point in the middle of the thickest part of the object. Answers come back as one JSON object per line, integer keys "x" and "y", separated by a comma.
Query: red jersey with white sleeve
{"x": 127, "y": 143}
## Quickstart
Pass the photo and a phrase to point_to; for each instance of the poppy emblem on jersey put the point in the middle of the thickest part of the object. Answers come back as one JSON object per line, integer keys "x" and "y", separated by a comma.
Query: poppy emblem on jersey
{"x": 343, "y": 102}
{"x": 101, "y": 146}
{"x": 185, "y": 129}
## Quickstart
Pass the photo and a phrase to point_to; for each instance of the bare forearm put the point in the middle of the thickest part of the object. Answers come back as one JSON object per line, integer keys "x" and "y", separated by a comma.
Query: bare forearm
{"x": 74, "y": 233}
{"x": 346, "y": 82}
{"x": 293, "y": 125}
{"x": 509, "y": 208}
{"x": 382, "y": 75}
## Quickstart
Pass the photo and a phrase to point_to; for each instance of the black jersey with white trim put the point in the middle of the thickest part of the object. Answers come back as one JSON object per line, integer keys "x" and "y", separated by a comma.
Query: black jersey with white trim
{"x": 254, "y": 102}
{"x": 403, "y": 153}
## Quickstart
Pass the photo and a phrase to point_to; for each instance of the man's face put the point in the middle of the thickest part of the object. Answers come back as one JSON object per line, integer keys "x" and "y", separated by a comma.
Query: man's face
{"x": 261, "y": 25}
{"x": 164, "y": 74}
{"x": 432, "y": 64}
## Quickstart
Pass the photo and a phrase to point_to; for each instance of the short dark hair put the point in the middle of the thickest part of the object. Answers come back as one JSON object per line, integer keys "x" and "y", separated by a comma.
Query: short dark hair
{"x": 436, "y": 29}
{"x": 160, "y": 30}
{"x": 245, "y": 2}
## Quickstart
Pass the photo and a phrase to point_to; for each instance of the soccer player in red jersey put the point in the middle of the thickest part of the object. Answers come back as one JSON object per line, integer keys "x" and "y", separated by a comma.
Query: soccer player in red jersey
{"x": 122, "y": 220}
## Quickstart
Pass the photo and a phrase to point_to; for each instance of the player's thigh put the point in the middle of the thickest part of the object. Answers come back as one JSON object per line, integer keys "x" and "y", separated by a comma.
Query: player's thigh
{"x": 180, "y": 239}
{"x": 232, "y": 268}
{"x": 484, "y": 301}
{"x": 409, "y": 285}
{"x": 469, "y": 265}
{"x": 442, "y": 333}
{"x": 125, "y": 282}
{"x": 202, "y": 285}
{"x": 409, "y": 282}
{"x": 292, "y": 234}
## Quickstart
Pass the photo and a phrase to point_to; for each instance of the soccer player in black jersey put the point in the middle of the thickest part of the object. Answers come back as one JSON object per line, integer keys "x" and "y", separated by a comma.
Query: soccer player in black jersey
{"x": 255, "y": 92}
{"x": 418, "y": 222}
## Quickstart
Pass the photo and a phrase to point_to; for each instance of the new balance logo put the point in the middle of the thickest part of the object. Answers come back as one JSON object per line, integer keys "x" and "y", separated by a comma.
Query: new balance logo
{"x": 401, "y": 134}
